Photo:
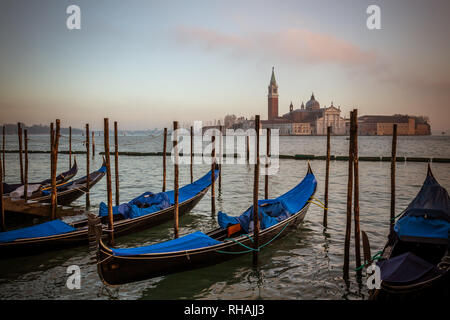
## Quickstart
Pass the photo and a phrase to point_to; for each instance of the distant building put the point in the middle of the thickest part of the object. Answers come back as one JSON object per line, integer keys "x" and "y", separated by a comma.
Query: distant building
{"x": 307, "y": 120}
{"x": 383, "y": 125}
{"x": 272, "y": 98}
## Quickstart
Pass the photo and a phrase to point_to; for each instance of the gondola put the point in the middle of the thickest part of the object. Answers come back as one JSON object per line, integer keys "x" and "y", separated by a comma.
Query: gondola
{"x": 415, "y": 262}
{"x": 57, "y": 234}
{"x": 232, "y": 238}
{"x": 62, "y": 178}
{"x": 66, "y": 192}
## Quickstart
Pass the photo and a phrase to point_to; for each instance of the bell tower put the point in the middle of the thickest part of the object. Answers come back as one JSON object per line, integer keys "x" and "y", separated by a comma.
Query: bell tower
{"x": 272, "y": 98}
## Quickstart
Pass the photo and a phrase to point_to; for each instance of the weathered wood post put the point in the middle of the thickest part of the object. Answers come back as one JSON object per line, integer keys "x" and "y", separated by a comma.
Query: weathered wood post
{"x": 349, "y": 201}
{"x": 19, "y": 134}
{"x": 54, "y": 199}
{"x": 393, "y": 167}
{"x": 93, "y": 144}
{"x": 4, "y": 146}
{"x": 70, "y": 147}
{"x": 25, "y": 185}
{"x": 3, "y": 151}
{"x": 52, "y": 145}
{"x": 164, "y": 160}
{"x": 356, "y": 191}
{"x": 255, "y": 196}
{"x": 213, "y": 175}
{"x": 116, "y": 162}
{"x": 108, "y": 182}
{"x": 248, "y": 148}
{"x": 192, "y": 154}
{"x": 220, "y": 157}
{"x": 2, "y": 208}
{"x": 327, "y": 178}
{"x": 266, "y": 175}
{"x": 175, "y": 150}
{"x": 88, "y": 202}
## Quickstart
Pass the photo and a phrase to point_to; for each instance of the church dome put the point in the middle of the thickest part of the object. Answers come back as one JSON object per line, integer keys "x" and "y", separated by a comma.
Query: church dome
{"x": 312, "y": 103}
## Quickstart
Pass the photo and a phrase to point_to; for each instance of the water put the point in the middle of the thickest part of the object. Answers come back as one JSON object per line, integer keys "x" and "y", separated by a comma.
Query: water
{"x": 306, "y": 264}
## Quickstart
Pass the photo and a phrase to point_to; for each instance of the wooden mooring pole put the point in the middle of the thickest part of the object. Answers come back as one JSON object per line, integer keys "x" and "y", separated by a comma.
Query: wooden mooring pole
{"x": 255, "y": 196}
{"x": 356, "y": 191}
{"x": 70, "y": 147}
{"x": 192, "y": 154}
{"x": 88, "y": 202}
{"x": 349, "y": 201}
{"x": 93, "y": 144}
{"x": 248, "y": 148}
{"x": 393, "y": 167}
{"x": 25, "y": 185}
{"x": 52, "y": 144}
{"x": 175, "y": 183}
{"x": 2, "y": 208}
{"x": 108, "y": 182}
{"x": 266, "y": 175}
{"x": 220, "y": 158}
{"x": 164, "y": 160}
{"x": 116, "y": 161}
{"x": 54, "y": 197}
{"x": 213, "y": 175}
{"x": 3, "y": 151}
{"x": 327, "y": 178}
{"x": 19, "y": 134}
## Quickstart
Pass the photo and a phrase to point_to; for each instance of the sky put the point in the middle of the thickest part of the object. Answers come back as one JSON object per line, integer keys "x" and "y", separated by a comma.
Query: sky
{"x": 148, "y": 63}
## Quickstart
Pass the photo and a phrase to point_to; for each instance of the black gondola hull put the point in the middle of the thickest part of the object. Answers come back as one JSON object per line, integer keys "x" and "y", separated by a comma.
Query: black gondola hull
{"x": 435, "y": 287}
{"x": 81, "y": 237}
{"x": 116, "y": 270}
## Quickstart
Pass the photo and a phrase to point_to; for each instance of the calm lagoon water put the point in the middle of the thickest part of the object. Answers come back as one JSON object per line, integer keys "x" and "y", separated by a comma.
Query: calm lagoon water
{"x": 306, "y": 264}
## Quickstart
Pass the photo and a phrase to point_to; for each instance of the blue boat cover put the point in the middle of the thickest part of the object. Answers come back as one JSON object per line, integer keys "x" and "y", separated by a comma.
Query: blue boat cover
{"x": 50, "y": 228}
{"x": 404, "y": 268}
{"x": 149, "y": 202}
{"x": 69, "y": 183}
{"x": 420, "y": 227}
{"x": 191, "y": 241}
{"x": 272, "y": 211}
{"x": 428, "y": 215}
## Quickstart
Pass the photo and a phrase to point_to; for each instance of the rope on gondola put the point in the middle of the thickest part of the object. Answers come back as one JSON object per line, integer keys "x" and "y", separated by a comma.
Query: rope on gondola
{"x": 320, "y": 204}
{"x": 251, "y": 249}
{"x": 395, "y": 218}
{"x": 376, "y": 256}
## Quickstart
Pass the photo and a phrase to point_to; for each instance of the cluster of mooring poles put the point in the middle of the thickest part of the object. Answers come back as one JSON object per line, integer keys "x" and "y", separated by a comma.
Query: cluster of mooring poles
{"x": 55, "y": 128}
{"x": 352, "y": 184}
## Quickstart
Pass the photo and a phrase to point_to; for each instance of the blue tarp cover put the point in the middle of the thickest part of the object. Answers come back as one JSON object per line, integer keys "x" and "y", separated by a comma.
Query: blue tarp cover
{"x": 50, "y": 228}
{"x": 404, "y": 268}
{"x": 421, "y": 227}
{"x": 149, "y": 202}
{"x": 67, "y": 184}
{"x": 428, "y": 215}
{"x": 272, "y": 211}
{"x": 146, "y": 203}
{"x": 194, "y": 240}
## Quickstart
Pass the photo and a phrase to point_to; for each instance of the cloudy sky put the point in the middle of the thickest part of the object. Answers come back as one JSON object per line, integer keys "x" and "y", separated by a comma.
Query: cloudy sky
{"x": 147, "y": 63}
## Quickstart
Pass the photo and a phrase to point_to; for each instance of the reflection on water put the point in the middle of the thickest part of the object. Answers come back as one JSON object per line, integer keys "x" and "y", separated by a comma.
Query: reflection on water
{"x": 305, "y": 264}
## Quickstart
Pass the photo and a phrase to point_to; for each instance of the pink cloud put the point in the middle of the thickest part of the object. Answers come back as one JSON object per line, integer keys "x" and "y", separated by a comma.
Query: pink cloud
{"x": 297, "y": 45}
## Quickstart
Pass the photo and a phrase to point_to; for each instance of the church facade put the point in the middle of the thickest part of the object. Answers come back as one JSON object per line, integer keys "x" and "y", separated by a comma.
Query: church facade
{"x": 309, "y": 119}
